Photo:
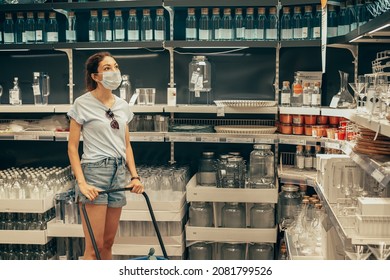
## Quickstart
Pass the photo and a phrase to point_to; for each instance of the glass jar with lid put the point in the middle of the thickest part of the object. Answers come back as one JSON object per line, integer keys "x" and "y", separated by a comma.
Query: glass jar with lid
{"x": 201, "y": 214}
{"x": 207, "y": 172}
{"x": 288, "y": 203}
{"x": 262, "y": 215}
{"x": 221, "y": 170}
{"x": 233, "y": 215}
{"x": 261, "y": 251}
{"x": 233, "y": 251}
{"x": 201, "y": 251}
{"x": 261, "y": 167}
{"x": 235, "y": 173}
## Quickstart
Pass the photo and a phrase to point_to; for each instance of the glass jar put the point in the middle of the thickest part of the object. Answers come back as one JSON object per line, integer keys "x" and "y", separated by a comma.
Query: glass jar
{"x": 232, "y": 251}
{"x": 262, "y": 167}
{"x": 201, "y": 214}
{"x": 288, "y": 203}
{"x": 233, "y": 215}
{"x": 201, "y": 251}
{"x": 262, "y": 215}
{"x": 221, "y": 170}
{"x": 207, "y": 172}
{"x": 199, "y": 82}
{"x": 235, "y": 173}
{"x": 261, "y": 251}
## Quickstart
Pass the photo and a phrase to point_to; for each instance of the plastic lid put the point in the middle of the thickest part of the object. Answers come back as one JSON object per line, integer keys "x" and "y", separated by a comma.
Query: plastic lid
{"x": 289, "y": 188}
{"x": 261, "y": 147}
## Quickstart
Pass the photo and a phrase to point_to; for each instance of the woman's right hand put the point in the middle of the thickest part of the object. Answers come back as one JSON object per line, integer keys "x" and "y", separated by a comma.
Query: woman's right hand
{"x": 89, "y": 191}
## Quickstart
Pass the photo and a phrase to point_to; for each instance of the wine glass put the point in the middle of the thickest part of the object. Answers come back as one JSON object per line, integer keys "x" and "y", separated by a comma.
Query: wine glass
{"x": 380, "y": 251}
{"x": 1, "y": 92}
{"x": 384, "y": 96}
{"x": 359, "y": 88}
{"x": 358, "y": 252}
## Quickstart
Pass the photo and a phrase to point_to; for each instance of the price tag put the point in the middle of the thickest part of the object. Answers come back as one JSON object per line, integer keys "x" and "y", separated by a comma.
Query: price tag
{"x": 377, "y": 175}
{"x": 26, "y": 137}
{"x": 347, "y": 150}
{"x": 292, "y": 141}
{"x": 332, "y": 145}
{"x": 265, "y": 141}
{"x": 334, "y": 102}
{"x": 239, "y": 140}
{"x": 209, "y": 139}
{"x": 220, "y": 111}
{"x": 182, "y": 138}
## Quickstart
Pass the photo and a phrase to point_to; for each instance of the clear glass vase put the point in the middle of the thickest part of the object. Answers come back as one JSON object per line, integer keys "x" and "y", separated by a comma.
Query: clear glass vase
{"x": 345, "y": 98}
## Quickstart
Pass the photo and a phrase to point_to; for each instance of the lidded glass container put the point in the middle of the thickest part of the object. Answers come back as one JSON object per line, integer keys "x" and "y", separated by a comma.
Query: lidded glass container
{"x": 199, "y": 82}
{"x": 221, "y": 170}
{"x": 207, "y": 171}
{"x": 288, "y": 204}
{"x": 235, "y": 173}
{"x": 262, "y": 167}
{"x": 233, "y": 251}
{"x": 262, "y": 215}
{"x": 201, "y": 214}
{"x": 233, "y": 215}
{"x": 201, "y": 251}
{"x": 261, "y": 251}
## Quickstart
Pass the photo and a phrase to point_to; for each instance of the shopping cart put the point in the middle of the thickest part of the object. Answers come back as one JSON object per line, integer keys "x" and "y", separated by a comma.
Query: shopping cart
{"x": 151, "y": 252}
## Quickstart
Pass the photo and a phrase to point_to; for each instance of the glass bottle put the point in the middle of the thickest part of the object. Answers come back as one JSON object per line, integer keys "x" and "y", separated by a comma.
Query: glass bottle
{"x": 221, "y": 170}
{"x": 20, "y": 31}
{"x": 233, "y": 215}
{"x": 207, "y": 172}
{"x": 70, "y": 33}
{"x": 40, "y": 31}
{"x": 343, "y": 26}
{"x": 132, "y": 26}
{"x": 52, "y": 28}
{"x": 146, "y": 26}
{"x": 204, "y": 25}
{"x": 285, "y": 94}
{"x": 159, "y": 30}
{"x": 9, "y": 36}
{"x": 216, "y": 25}
{"x": 250, "y": 28}
{"x": 261, "y": 251}
{"x": 200, "y": 251}
{"x": 125, "y": 88}
{"x": 232, "y": 251}
{"x": 15, "y": 95}
{"x": 30, "y": 28}
{"x": 191, "y": 25}
{"x": 262, "y": 215}
{"x": 307, "y": 93}
{"x": 119, "y": 27}
{"x": 353, "y": 23}
{"x": 261, "y": 167}
{"x": 271, "y": 32}
{"x": 289, "y": 201}
{"x": 200, "y": 214}
{"x": 317, "y": 23}
{"x": 286, "y": 32}
{"x": 296, "y": 97}
{"x": 93, "y": 27}
{"x": 332, "y": 22}
{"x": 316, "y": 152}
{"x": 261, "y": 23}
{"x": 297, "y": 23}
{"x": 307, "y": 23}
{"x": 308, "y": 158}
{"x": 227, "y": 25}
{"x": 105, "y": 26}
{"x": 239, "y": 27}
{"x": 316, "y": 95}
{"x": 299, "y": 158}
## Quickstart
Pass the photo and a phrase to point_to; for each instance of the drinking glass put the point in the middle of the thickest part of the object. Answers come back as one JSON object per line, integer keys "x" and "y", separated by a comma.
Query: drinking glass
{"x": 359, "y": 89}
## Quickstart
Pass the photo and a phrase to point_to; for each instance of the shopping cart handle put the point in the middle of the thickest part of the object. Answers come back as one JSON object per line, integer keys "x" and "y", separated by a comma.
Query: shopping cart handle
{"x": 116, "y": 190}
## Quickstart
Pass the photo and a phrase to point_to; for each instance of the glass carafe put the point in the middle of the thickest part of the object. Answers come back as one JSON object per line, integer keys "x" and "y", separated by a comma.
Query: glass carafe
{"x": 345, "y": 99}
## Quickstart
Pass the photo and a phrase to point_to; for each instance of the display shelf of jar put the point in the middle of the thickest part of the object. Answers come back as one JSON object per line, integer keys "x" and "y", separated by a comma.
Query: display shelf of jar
{"x": 300, "y": 139}
{"x": 136, "y": 202}
{"x": 28, "y": 136}
{"x": 300, "y": 110}
{"x": 59, "y": 229}
{"x": 344, "y": 113}
{"x": 344, "y": 225}
{"x": 222, "y": 44}
{"x": 196, "y": 192}
{"x": 26, "y": 7}
{"x": 220, "y": 138}
{"x": 108, "y": 45}
{"x": 102, "y": 5}
{"x": 382, "y": 126}
{"x": 64, "y": 108}
{"x": 295, "y": 254}
{"x": 220, "y": 109}
{"x": 24, "y": 237}
{"x": 291, "y": 174}
{"x": 27, "y": 108}
{"x": 26, "y": 205}
{"x": 218, "y": 3}
{"x": 300, "y": 43}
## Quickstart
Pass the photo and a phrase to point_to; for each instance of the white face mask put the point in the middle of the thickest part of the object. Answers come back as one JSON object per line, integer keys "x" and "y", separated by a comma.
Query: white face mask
{"x": 111, "y": 80}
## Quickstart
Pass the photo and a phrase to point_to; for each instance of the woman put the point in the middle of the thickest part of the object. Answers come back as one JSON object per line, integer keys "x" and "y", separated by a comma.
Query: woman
{"x": 103, "y": 118}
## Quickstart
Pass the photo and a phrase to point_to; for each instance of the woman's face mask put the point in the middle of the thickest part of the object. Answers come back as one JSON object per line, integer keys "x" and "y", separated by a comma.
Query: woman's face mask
{"x": 111, "y": 79}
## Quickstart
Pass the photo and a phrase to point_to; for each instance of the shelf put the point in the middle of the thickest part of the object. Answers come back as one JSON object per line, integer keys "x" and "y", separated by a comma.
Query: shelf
{"x": 344, "y": 113}
{"x": 214, "y": 194}
{"x": 27, "y": 108}
{"x": 157, "y": 108}
{"x": 28, "y": 136}
{"x": 221, "y": 234}
{"x": 25, "y": 7}
{"x": 26, "y": 205}
{"x": 38, "y": 237}
{"x": 219, "y": 110}
{"x": 220, "y": 138}
{"x": 300, "y": 110}
{"x": 300, "y": 139}
{"x": 110, "y": 6}
{"x": 174, "y": 215}
{"x": 55, "y": 229}
{"x": 300, "y": 43}
{"x": 147, "y": 136}
{"x": 218, "y": 3}
{"x": 381, "y": 126}
{"x": 295, "y": 254}
{"x": 221, "y": 44}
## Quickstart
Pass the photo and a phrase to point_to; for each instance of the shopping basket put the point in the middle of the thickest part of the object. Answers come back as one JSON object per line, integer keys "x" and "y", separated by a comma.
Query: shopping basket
{"x": 151, "y": 251}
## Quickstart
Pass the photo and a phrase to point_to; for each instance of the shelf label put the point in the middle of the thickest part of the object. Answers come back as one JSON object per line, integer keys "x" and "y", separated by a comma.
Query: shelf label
{"x": 377, "y": 175}
{"x": 292, "y": 141}
{"x": 347, "y": 150}
{"x": 239, "y": 140}
{"x": 265, "y": 141}
{"x": 182, "y": 138}
{"x": 26, "y": 137}
{"x": 332, "y": 145}
{"x": 147, "y": 138}
{"x": 220, "y": 111}
{"x": 209, "y": 139}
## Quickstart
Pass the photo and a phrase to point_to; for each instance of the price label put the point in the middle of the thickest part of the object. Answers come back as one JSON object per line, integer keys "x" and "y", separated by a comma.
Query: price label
{"x": 292, "y": 141}
{"x": 26, "y": 137}
{"x": 332, "y": 145}
{"x": 182, "y": 138}
{"x": 209, "y": 139}
{"x": 265, "y": 141}
{"x": 377, "y": 175}
{"x": 220, "y": 111}
{"x": 239, "y": 140}
{"x": 347, "y": 150}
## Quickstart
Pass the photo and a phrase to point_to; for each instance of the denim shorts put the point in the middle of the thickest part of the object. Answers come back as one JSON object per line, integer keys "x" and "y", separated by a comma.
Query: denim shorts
{"x": 107, "y": 174}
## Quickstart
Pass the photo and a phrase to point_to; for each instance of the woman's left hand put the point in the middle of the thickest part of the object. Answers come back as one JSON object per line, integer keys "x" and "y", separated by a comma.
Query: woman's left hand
{"x": 137, "y": 186}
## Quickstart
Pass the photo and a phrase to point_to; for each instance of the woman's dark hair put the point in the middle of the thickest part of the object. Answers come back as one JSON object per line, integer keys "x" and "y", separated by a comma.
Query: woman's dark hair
{"x": 91, "y": 67}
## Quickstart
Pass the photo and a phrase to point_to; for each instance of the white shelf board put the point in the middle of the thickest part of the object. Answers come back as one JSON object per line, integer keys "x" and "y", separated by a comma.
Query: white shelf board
{"x": 174, "y": 215}
{"x": 300, "y": 110}
{"x": 157, "y": 108}
{"x": 137, "y": 202}
{"x": 220, "y": 138}
{"x": 299, "y": 139}
{"x": 214, "y": 194}
{"x": 56, "y": 229}
{"x": 26, "y": 205}
{"x": 27, "y": 108}
{"x": 372, "y": 123}
{"x": 231, "y": 234}
{"x": 345, "y": 113}
{"x": 191, "y": 109}
{"x": 28, "y": 136}
{"x": 24, "y": 237}
{"x": 62, "y": 108}
{"x": 291, "y": 174}
{"x": 147, "y": 136}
